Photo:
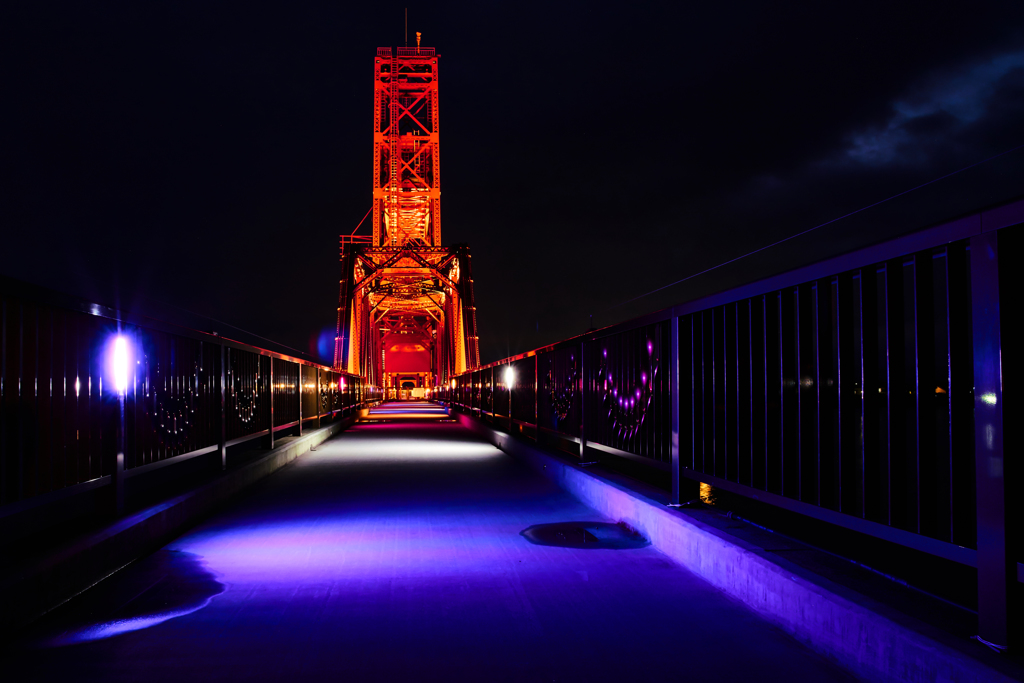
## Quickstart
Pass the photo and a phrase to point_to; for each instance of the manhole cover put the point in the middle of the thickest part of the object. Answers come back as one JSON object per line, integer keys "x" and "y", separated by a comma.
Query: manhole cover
{"x": 590, "y": 535}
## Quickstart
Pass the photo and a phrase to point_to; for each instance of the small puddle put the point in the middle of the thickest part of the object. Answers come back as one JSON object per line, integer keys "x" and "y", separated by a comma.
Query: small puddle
{"x": 165, "y": 585}
{"x": 587, "y": 535}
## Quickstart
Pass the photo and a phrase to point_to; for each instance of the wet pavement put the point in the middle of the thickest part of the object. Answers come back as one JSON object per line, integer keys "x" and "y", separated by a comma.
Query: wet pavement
{"x": 407, "y": 549}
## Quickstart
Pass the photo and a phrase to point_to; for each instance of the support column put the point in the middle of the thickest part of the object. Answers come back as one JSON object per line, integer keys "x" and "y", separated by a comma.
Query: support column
{"x": 300, "y": 397}
{"x": 674, "y": 385}
{"x": 996, "y": 564}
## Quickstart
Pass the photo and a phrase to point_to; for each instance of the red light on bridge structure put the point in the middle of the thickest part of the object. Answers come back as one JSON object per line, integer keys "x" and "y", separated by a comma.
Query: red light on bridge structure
{"x": 406, "y": 314}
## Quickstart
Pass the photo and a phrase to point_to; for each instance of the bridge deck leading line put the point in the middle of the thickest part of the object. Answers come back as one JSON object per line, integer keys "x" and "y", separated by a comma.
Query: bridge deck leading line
{"x": 395, "y": 552}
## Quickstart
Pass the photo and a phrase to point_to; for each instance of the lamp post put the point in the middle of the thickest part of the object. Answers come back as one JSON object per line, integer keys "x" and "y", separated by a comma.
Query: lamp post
{"x": 510, "y": 378}
{"x": 120, "y": 367}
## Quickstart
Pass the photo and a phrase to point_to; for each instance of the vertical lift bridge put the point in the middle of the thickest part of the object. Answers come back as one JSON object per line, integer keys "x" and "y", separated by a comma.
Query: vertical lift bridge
{"x": 406, "y": 317}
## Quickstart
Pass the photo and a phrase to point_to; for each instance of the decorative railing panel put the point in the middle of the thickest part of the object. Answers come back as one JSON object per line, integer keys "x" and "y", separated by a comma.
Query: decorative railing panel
{"x": 172, "y": 404}
{"x": 286, "y": 392}
{"x": 308, "y": 390}
{"x": 247, "y": 399}
{"x": 631, "y": 403}
{"x": 487, "y": 391}
{"x": 559, "y": 380}
{"x": 524, "y": 394}
{"x": 330, "y": 392}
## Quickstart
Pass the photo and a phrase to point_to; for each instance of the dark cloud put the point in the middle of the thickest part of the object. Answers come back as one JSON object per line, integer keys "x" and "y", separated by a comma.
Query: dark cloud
{"x": 942, "y": 108}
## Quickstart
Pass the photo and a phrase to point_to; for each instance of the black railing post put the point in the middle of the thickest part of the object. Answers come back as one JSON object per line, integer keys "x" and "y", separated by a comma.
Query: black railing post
{"x": 583, "y": 389}
{"x": 996, "y": 565}
{"x": 318, "y": 425}
{"x": 674, "y": 385}
{"x": 300, "y": 398}
{"x": 117, "y": 473}
{"x": 536, "y": 397}
{"x": 222, "y": 437}
{"x": 271, "y": 431}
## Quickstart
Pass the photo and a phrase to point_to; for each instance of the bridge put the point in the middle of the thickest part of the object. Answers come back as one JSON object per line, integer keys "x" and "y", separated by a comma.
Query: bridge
{"x": 809, "y": 476}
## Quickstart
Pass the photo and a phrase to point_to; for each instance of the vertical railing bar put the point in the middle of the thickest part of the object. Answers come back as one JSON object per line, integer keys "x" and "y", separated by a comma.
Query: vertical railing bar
{"x": 996, "y": 566}
{"x": 272, "y": 396}
{"x": 949, "y": 395}
{"x": 584, "y": 398}
{"x": 703, "y": 394}
{"x": 714, "y": 398}
{"x": 674, "y": 386}
{"x": 884, "y": 297}
{"x": 222, "y": 440}
{"x": 725, "y": 393}
{"x": 816, "y": 342}
{"x": 536, "y": 396}
{"x": 20, "y": 473}
{"x": 764, "y": 366}
{"x": 918, "y": 404}
{"x": 862, "y": 450}
{"x": 780, "y": 305}
{"x": 837, "y": 409}
{"x": 693, "y": 392}
{"x": 4, "y": 389}
{"x": 799, "y": 398}
{"x": 750, "y": 374}
{"x": 736, "y": 374}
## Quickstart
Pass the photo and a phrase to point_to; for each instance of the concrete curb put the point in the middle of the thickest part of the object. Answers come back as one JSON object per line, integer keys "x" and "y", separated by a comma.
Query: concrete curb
{"x": 864, "y": 636}
{"x": 34, "y": 589}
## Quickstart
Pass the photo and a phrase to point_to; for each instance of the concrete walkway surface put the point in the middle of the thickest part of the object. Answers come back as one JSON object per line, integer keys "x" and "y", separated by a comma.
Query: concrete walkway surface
{"x": 395, "y": 552}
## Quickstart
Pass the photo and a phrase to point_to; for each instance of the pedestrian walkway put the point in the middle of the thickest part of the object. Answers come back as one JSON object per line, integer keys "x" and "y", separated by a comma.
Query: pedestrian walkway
{"x": 408, "y": 550}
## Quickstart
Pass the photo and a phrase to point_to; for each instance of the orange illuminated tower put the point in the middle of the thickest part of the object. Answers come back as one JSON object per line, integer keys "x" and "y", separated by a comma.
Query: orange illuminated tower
{"x": 406, "y": 318}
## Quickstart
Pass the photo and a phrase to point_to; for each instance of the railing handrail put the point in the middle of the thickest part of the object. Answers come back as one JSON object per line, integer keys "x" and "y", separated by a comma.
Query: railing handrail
{"x": 416, "y": 52}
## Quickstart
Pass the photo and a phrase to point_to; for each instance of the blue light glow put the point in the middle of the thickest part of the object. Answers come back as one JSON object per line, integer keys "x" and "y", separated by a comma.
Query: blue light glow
{"x": 119, "y": 364}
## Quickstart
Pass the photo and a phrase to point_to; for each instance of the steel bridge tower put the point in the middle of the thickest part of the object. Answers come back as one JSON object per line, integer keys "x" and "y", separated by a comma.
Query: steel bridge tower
{"x": 406, "y": 316}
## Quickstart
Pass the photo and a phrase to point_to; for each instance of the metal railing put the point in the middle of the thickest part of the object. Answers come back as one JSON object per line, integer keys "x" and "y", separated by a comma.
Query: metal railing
{"x": 416, "y": 52}
{"x": 66, "y": 427}
{"x": 865, "y": 391}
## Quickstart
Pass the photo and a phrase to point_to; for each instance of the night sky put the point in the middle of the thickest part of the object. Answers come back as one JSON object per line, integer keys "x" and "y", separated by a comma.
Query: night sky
{"x": 207, "y": 155}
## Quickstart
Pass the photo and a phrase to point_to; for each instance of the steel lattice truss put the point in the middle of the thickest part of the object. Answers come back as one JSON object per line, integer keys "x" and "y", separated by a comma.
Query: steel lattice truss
{"x": 400, "y": 285}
